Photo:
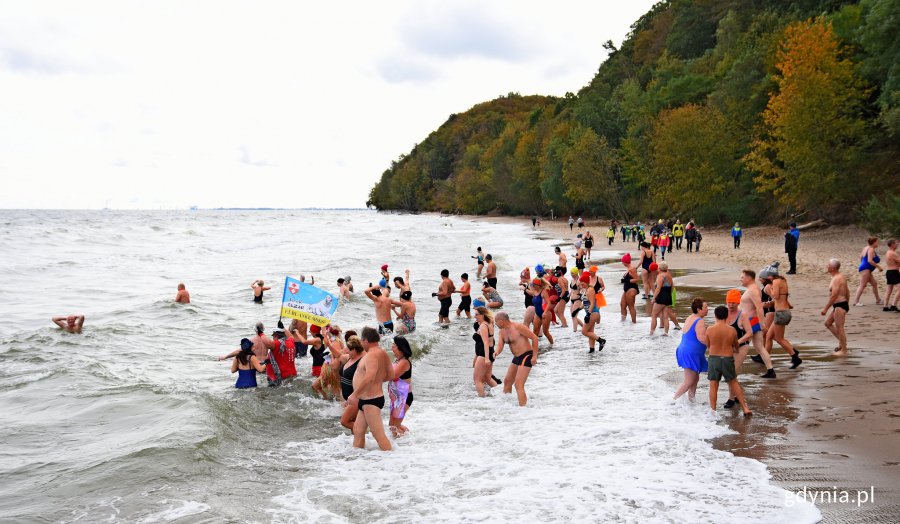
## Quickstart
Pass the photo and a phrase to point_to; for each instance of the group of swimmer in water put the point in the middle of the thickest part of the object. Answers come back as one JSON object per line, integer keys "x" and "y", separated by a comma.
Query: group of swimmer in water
{"x": 353, "y": 366}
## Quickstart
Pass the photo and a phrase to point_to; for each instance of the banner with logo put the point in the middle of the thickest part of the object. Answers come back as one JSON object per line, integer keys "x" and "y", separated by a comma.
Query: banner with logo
{"x": 307, "y": 303}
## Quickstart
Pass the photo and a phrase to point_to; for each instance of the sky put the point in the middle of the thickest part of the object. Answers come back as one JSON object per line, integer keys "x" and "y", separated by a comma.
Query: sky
{"x": 171, "y": 104}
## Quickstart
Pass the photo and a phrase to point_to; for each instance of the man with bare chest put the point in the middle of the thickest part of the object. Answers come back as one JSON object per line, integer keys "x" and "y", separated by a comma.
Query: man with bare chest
{"x": 373, "y": 371}
{"x": 382, "y": 309}
{"x": 751, "y": 307}
{"x": 839, "y": 302}
{"x": 523, "y": 344}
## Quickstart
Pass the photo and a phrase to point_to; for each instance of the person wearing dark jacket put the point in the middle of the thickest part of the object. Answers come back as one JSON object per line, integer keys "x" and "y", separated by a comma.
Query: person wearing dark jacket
{"x": 791, "y": 240}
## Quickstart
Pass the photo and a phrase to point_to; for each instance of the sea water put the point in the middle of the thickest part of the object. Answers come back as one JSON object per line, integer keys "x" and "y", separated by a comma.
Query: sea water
{"x": 134, "y": 420}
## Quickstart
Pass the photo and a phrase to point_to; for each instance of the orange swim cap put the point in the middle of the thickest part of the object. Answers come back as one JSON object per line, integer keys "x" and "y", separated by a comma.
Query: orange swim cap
{"x": 733, "y": 297}
{"x": 593, "y": 269}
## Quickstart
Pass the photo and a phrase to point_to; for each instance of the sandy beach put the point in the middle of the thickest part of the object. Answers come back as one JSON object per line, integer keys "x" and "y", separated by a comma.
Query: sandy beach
{"x": 832, "y": 423}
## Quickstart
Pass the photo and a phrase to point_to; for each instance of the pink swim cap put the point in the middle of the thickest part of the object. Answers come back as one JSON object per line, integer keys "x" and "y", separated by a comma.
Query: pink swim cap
{"x": 626, "y": 258}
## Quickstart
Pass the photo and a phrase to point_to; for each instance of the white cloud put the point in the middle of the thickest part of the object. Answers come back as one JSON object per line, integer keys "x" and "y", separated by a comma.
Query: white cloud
{"x": 172, "y": 104}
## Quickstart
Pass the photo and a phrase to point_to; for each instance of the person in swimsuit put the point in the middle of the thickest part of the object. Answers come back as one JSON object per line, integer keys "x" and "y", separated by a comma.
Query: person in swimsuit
{"x": 523, "y": 344}
{"x": 406, "y": 315}
{"x": 479, "y": 256}
{"x": 579, "y": 258}
{"x": 588, "y": 243}
{"x": 662, "y": 302}
{"x": 524, "y": 284}
{"x": 465, "y": 297}
{"x": 373, "y": 371}
{"x": 258, "y": 287}
{"x": 630, "y": 289}
{"x": 246, "y": 365}
{"x": 348, "y": 364}
{"x": 691, "y": 352}
{"x": 868, "y": 262}
{"x": 722, "y": 341}
{"x": 182, "y": 296}
{"x": 751, "y": 307}
{"x": 648, "y": 257}
{"x": 382, "y": 309}
{"x": 538, "y": 315}
{"x": 403, "y": 285}
{"x": 741, "y": 324}
{"x": 575, "y": 298}
{"x": 839, "y": 302}
{"x": 71, "y": 323}
{"x": 343, "y": 289}
{"x": 562, "y": 261}
{"x": 400, "y": 391}
{"x": 562, "y": 291}
{"x": 592, "y": 312}
{"x": 491, "y": 297}
{"x": 892, "y": 262}
{"x": 779, "y": 293}
{"x": 484, "y": 350}
{"x": 490, "y": 271}
{"x": 445, "y": 296}
{"x": 571, "y": 222}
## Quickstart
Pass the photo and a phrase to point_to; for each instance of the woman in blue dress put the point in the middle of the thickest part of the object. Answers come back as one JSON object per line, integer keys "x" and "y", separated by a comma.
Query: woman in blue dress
{"x": 691, "y": 352}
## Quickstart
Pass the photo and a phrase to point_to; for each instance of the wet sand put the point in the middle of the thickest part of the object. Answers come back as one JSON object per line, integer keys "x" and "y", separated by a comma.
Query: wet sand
{"x": 832, "y": 424}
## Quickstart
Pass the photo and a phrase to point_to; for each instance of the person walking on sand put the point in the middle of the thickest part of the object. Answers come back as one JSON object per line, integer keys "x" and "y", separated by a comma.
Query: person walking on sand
{"x": 839, "y": 302}
{"x": 373, "y": 371}
{"x": 722, "y": 341}
{"x": 736, "y": 234}
{"x": 691, "y": 351}
{"x": 258, "y": 287}
{"x": 182, "y": 296}
{"x": 71, "y": 323}
{"x": 778, "y": 290}
{"x": 892, "y": 262}
{"x": 868, "y": 262}
{"x": 571, "y": 222}
{"x": 791, "y": 243}
{"x": 524, "y": 346}
{"x": 751, "y": 306}
{"x": 678, "y": 233}
{"x": 580, "y": 223}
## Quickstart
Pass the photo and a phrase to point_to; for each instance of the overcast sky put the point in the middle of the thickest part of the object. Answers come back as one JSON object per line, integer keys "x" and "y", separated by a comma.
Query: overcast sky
{"x": 168, "y": 104}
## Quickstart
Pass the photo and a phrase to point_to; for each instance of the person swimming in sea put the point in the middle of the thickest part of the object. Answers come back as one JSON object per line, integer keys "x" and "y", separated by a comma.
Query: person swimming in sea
{"x": 258, "y": 287}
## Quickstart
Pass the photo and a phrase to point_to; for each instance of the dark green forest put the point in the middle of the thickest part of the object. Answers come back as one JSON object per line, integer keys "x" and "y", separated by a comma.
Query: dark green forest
{"x": 724, "y": 110}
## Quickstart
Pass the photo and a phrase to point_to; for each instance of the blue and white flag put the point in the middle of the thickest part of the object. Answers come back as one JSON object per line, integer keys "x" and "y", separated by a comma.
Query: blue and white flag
{"x": 307, "y": 303}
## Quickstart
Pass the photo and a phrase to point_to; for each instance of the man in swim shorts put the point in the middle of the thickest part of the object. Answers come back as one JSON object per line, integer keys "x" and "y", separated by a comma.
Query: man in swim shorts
{"x": 723, "y": 343}
{"x": 517, "y": 337}
{"x": 71, "y": 323}
{"x": 373, "y": 371}
{"x": 382, "y": 309}
{"x": 445, "y": 294}
{"x": 751, "y": 307}
{"x": 839, "y": 302}
{"x": 490, "y": 272}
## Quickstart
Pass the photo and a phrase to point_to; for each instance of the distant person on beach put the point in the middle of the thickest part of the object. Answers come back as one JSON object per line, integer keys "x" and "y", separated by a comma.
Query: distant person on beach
{"x": 664, "y": 243}
{"x": 490, "y": 271}
{"x": 678, "y": 233}
{"x": 246, "y": 365}
{"x": 533, "y": 221}
{"x": 258, "y": 287}
{"x": 445, "y": 296}
{"x": 182, "y": 296}
{"x": 868, "y": 263}
{"x": 71, "y": 323}
{"x": 630, "y": 289}
{"x": 480, "y": 259}
{"x": 839, "y": 302}
{"x": 722, "y": 342}
{"x": 751, "y": 306}
{"x": 524, "y": 346}
{"x": 892, "y": 262}
{"x": 382, "y": 309}
{"x": 465, "y": 296}
{"x": 580, "y": 223}
{"x": 571, "y": 222}
{"x": 373, "y": 371}
{"x": 691, "y": 351}
{"x": 690, "y": 235}
{"x": 611, "y": 235}
{"x": 698, "y": 238}
{"x": 791, "y": 243}
{"x": 736, "y": 234}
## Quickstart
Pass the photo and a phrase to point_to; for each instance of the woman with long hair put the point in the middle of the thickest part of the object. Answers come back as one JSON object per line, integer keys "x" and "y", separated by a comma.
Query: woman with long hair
{"x": 400, "y": 387}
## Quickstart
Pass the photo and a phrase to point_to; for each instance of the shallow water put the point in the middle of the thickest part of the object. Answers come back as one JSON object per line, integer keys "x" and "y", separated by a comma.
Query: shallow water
{"x": 134, "y": 421}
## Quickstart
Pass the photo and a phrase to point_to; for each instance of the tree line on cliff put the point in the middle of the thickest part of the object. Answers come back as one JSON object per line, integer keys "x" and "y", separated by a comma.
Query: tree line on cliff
{"x": 724, "y": 110}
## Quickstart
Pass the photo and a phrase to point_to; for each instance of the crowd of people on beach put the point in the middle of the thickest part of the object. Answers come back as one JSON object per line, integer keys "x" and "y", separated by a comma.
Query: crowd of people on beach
{"x": 353, "y": 367}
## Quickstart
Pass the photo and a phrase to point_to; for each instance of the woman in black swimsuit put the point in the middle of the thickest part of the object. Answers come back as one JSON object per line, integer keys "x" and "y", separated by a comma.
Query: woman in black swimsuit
{"x": 647, "y": 258}
{"x": 484, "y": 350}
{"x": 630, "y": 291}
{"x": 402, "y": 373}
{"x": 349, "y": 362}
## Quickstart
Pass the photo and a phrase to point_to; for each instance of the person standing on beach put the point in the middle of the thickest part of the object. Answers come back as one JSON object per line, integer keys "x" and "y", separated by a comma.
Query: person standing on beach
{"x": 736, "y": 234}
{"x": 779, "y": 293}
{"x": 722, "y": 341}
{"x": 571, "y": 222}
{"x": 839, "y": 302}
{"x": 445, "y": 296}
{"x": 491, "y": 271}
{"x": 580, "y": 223}
{"x": 690, "y": 234}
{"x": 517, "y": 337}
{"x": 182, "y": 296}
{"x": 751, "y": 306}
{"x": 258, "y": 287}
{"x": 791, "y": 243}
{"x": 868, "y": 263}
{"x": 71, "y": 323}
{"x": 373, "y": 371}
{"x": 533, "y": 221}
{"x": 691, "y": 351}
{"x": 892, "y": 262}
{"x": 382, "y": 309}
{"x": 610, "y": 235}
{"x": 678, "y": 233}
